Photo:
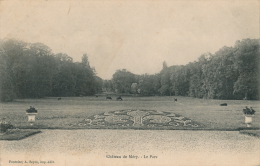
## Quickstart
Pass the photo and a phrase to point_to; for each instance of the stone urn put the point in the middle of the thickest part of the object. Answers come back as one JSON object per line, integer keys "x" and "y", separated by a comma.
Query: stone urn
{"x": 249, "y": 113}
{"x": 31, "y": 113}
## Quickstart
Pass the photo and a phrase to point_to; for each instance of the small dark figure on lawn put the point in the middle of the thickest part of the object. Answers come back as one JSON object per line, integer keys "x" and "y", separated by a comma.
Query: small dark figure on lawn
{"x": 223, "y": 104}
{"x": 119, "y": 98}
{"x": 175, "y": 99}
{"x": 59, "y": 98}
{"x": 108, "y": 98}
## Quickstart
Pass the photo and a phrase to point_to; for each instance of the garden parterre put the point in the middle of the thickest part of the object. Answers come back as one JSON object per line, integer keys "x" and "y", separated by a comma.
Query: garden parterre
{"x": 60, "y": 114}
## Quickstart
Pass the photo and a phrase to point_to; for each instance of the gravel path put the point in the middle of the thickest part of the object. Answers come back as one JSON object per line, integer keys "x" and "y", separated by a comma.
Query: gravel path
{"x": 161, "y": 147}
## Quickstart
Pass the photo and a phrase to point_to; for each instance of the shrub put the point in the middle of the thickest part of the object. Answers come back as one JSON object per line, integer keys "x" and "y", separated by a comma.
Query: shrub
{"x": 249, "y": 111}
{"x": 31, "y": 110}
{"x": 4, "y": 126}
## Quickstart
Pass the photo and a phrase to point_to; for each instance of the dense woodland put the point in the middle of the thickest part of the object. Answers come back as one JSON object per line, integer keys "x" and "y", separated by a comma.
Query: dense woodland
{"x": 32, "y": 70}
{"x": 230, "y": 73}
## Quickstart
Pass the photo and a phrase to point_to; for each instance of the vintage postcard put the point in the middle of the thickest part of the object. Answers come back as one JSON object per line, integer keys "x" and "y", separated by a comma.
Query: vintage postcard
{"x": 121, "y": 82}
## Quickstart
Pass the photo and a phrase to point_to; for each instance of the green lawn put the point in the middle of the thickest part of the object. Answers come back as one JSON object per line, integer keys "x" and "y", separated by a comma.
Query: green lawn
{"x": 13, "y": 135}
{"x": 255, "y": 133}
{"x": 59, "y": 114}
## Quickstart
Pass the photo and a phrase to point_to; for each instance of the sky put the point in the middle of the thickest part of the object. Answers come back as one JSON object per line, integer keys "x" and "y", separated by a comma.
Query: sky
{"x": 133, "y": 35}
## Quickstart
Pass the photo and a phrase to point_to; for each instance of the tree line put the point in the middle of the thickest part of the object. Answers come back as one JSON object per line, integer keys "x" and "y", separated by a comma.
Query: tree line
{"x": 230, "y": 73}
{"x": 32, "y": 70}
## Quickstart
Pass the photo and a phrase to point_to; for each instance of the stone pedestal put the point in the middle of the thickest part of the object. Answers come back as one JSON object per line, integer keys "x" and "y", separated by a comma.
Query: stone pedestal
{"x": 31, "y": 117}
{"x": 248, "y": 120}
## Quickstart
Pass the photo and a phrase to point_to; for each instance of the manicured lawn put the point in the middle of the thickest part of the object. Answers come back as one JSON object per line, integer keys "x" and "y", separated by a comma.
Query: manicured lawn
{"x": 60, "y": 114}
{"x": 255, "y": 133}
{"x": 17, "y": 134}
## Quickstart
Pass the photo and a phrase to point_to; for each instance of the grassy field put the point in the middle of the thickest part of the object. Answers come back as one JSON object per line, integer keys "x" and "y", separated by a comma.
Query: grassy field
{"x": 12, "y": 135}
{"x": 59, "y": 114}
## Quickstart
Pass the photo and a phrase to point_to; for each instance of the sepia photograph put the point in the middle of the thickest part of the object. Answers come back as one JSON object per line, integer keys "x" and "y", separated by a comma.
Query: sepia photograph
{"x": 129, "y": 83}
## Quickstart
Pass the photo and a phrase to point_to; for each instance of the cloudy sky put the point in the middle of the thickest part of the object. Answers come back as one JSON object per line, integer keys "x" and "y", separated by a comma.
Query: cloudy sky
{"x": 135, "y": 35}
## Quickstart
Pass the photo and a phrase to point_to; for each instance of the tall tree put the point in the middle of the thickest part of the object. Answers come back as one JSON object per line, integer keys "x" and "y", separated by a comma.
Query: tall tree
{"x": 165, "y": 81}
{"x": 180, "y": 81}
{"x": 122, "y": 80}
{"x": 6, "y": 83}
{"x": 84, "y": 61}
{"x": 247, "y": 63}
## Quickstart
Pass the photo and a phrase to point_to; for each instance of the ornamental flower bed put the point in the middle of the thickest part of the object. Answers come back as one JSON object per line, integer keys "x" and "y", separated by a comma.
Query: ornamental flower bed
{"x": 137, "y": 119}
{"x": 4, "y": 126}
